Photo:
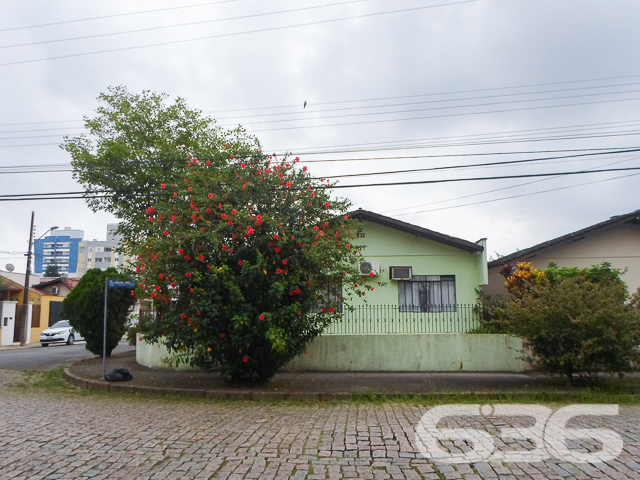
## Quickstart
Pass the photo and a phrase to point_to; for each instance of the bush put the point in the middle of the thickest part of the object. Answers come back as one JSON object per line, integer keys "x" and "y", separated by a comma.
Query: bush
{"x": 577, "y": 322}
{"x": 84, "y": 307}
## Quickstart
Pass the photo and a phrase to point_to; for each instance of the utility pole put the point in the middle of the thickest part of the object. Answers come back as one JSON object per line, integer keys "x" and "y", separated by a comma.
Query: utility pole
{"x": 25, "y": 299}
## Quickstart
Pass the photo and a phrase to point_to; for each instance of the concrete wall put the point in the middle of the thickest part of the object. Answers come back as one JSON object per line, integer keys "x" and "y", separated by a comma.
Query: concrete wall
{"x": 619, "y": 246}
{"x": 390, "y": 353}
{"x": 412, "y": 353}
{"x": 154, "y": 355}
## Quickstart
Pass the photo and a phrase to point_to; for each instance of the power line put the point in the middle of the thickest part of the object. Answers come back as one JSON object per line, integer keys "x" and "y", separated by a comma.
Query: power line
{"x": 516, "y": 196}
{"x": 63, "y": 22}
{"x": 136, "y": 193}
{"x": 185, "y": 24}
{"x": 232, "y": 34}
{"x": 64, "y": 167}
{"x": 506, "y": 188}
{"x": 475, "y": 179}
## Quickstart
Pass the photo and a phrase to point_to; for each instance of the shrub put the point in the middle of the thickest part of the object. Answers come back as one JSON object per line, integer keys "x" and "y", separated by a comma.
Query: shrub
{"x": 84, "y": 307}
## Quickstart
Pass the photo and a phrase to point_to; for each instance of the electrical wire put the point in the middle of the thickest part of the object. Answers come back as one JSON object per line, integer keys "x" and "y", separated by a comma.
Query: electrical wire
{"x": 63, "y": 22}
{"x": 233, "y": 34}
{"x": 185, "y": 24}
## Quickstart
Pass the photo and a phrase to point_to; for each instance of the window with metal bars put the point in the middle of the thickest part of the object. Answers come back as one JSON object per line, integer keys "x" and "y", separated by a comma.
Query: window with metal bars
{"x": 427, "y": 293}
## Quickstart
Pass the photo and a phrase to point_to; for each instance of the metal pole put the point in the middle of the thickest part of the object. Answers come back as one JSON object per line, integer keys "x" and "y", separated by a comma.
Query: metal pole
{"x": 104, "y": 333}
{"x": 22, "y": 335}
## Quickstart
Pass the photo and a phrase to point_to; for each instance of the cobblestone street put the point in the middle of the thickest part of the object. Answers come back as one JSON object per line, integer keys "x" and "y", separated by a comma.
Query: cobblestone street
{"x": 77, "y": 435}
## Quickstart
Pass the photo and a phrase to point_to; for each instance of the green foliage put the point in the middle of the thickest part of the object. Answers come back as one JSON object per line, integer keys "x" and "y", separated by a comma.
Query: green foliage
{"x": 51, "y": 271}
{"x": 241, "y": 254}
{"x": 134, "y": 140}
{"x": 577, "y": 323}
{"x": 84, "y": 307}
{"x": 241, "y": 261}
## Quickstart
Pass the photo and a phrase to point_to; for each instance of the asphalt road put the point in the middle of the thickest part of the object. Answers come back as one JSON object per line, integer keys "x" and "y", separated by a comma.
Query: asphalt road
{"x": 40, "y": 358}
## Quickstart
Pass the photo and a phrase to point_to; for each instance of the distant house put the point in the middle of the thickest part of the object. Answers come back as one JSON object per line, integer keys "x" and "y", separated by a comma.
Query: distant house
{"x": 12, "y": 308}
{"x": 616, "y": 241}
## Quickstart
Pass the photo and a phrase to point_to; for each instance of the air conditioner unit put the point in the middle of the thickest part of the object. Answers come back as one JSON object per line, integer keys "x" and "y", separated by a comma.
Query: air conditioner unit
{"x": 369, "y": 267}
{"x": 54, "y": 290}
{"x": 400, "y": 273}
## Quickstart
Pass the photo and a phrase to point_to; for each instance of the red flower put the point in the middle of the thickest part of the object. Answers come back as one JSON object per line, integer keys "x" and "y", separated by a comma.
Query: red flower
{"x": 298, "y": 291}
{"x": 154, "y": 294}
{"x": 188, "y": 274}
{"x": 242, "y": 165}
{"x": 288, "y": 184}
{"x": 181, "y": 251}
{"x": 278, "y": 271}
{"x": 278, "y": 249}
{"x": 210, "y": 195}
{"x": 222, "y": 335}
{"x": 162, "y": 275}
{"x": 166, "y": 233}
{"x": 275, "y": 236}
{"x": 208, "y": 162}
{"x": 224, "y": 215}
{"x": 284, "y": 262}
{"x": 226, "y": 145}
{"x": 245, "y": 359}
{"x": 240, "y": 262}
{"x": 173, "y": 218}
{"x": 190, "y": 189}
{"x": 304, "y": 169}
{"x": 224, "y": 247}
{"x": 183, "y": 316}
{"x": 261, "y": 317}
{"x": 348, "y": 245}
{"x": 233, "y": 156}
{"x": 315, "y": 227}
{"x": 326, "y": 204}
{"x": 234, "y": 211}
{"x": 371, "y": 274}
{"x": 175, "y": 194}
{"x": 133, "y": 293}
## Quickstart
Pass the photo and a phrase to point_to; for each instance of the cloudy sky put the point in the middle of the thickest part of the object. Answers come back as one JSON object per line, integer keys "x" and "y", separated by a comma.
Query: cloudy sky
{"x": 532, "y": 87}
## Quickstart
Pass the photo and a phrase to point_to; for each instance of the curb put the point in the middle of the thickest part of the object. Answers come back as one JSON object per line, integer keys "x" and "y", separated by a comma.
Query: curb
{"x": 272, "y": 396}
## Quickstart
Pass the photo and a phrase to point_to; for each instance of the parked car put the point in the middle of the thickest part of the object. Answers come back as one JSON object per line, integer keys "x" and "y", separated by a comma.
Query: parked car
{"x": 59, "y": 332}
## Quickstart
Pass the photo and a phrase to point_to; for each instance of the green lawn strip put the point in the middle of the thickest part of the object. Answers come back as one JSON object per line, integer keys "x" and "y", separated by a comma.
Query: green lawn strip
{"x": 624, "y": 391}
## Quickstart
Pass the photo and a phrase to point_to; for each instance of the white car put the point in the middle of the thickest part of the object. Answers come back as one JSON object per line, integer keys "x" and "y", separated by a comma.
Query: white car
{"x": 59, "y": 332}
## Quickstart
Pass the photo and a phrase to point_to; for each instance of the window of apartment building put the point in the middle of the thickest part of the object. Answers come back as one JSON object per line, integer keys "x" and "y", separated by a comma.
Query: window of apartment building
{"x": 107, "y": 249}
{"x": 427, "y": 293}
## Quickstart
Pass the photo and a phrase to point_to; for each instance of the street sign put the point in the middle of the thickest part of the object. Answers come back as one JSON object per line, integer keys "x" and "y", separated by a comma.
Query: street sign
{"x": 120, "y": 284}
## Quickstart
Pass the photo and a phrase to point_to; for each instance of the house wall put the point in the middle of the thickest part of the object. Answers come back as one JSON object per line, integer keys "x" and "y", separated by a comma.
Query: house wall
{"x": 392, "y": 247}
{"x": 45, "y": 302}
{"x": 388, "y": 353}
{"x": 447, "y": 352}
{"x": 619, "y": 246}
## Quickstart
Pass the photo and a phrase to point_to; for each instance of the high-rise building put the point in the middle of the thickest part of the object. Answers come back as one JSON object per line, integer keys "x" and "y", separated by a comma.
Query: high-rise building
{"x": 100, "y": 254}
{"x": 73, "y": 255}
{"x": 59, "y": 248}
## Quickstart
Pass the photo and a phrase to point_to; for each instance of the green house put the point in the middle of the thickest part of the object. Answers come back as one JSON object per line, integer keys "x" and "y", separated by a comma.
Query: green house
{"x": 429, "y": 280}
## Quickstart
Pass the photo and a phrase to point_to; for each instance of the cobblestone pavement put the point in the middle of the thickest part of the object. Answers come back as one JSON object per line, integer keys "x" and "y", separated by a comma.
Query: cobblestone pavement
{"x": 48, "y": 435}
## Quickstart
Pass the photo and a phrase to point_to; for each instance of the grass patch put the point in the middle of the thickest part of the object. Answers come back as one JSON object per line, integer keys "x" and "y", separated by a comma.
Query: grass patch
{"x": 623, "y": 391}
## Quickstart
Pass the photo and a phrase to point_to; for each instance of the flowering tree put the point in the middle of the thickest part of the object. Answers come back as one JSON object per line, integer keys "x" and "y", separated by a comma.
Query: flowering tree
{"x": 245, "y": 261}
{"x": 243, "y": 256}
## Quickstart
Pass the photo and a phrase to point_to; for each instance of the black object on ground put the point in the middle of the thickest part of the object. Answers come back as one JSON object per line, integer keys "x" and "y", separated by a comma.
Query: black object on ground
{"x": 118, "y": 375}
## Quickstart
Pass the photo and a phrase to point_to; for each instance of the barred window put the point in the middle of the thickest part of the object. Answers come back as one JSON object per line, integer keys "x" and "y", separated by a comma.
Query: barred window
{"x": 427, "y": 293}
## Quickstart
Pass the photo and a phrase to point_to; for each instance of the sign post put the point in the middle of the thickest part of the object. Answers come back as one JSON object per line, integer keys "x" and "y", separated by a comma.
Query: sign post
{"x": 108, "y": 283}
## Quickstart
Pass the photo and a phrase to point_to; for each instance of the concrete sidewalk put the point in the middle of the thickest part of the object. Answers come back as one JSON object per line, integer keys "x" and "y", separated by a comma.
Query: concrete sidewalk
{"x": 88, "y": 373}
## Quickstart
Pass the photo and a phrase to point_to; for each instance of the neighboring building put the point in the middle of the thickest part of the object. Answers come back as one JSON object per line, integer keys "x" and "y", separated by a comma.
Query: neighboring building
{"x": 101, "y": 254}
{"x": 42, "y": 311}
{"x": 59, "y": 248}
{"x": 616, "y": 241}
